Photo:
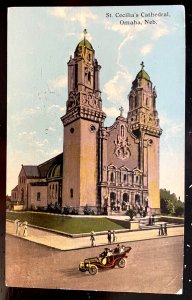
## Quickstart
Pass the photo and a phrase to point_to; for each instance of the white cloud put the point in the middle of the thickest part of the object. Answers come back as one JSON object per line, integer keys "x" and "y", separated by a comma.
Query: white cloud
{"x": 111, "y": 111}
{"x": 161, "y": 30}
{"x": 56, "y": 106}
{"x": 51, "y": 129}
{"x": 129, "y": 37}
{"x": 55, "y": 152}
{"x": 146, "y": 49}
{"x": 32, "y": 140}
{"x": 116, "y": 89}
{"x": 81, "y": 15}
{"x": 116, "y": 27}
{"x": 123, "y": 29}
{"x": 59, "y": 82}
{"x": 170, "y": 128}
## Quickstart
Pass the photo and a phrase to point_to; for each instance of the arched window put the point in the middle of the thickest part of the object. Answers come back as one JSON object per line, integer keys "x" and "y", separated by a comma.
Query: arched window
{"x": 124, "y": 178}
{"x": 122, "y": 130}
{"x": 112, "y": 200}
{"x": 137, "y": 179}
{"x": 112, "y": 177}
{"x": 89, "y": 76}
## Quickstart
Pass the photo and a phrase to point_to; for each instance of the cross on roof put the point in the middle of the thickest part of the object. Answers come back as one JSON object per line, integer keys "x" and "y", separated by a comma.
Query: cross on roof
{"x": 121, "y": 111}
{"x": 85, "y": 32}
{"x": 142, "y": 65}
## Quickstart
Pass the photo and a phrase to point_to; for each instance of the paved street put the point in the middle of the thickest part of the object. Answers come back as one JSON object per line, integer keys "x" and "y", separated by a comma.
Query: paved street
{"x": 154, "y": 265}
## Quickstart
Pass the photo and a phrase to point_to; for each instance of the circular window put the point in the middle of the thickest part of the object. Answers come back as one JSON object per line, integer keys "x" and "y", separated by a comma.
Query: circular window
{"x": 150, "y": 142}
{"x": 72, "y": 130}
{"x": 92, "y": 128}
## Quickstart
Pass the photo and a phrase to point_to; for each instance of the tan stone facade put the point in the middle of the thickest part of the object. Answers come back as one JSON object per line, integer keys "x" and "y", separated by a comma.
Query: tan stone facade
{"x": 100, "y": 166}
{"x": 114, "y": 165}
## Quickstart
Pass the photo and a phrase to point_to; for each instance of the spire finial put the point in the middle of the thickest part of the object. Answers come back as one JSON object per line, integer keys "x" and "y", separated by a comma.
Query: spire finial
{"x": 85, "y": 32}
{"x": 121, "y": 111}
{"x": 142, "y": 65}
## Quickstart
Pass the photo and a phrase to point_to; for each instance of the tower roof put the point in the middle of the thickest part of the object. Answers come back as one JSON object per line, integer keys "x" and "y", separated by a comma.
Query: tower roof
{"x": 142, "y": 74}
{"x": 84, "y": 42}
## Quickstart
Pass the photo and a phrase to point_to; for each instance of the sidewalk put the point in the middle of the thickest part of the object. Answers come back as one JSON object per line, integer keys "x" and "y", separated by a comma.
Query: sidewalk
{"x": 62, "y": 242}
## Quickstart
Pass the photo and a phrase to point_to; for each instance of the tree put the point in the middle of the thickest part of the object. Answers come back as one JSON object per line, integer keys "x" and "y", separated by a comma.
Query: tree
{"x": 170, "y": 204}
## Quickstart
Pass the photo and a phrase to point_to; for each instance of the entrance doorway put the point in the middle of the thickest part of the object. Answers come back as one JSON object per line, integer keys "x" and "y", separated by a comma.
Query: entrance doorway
{"x": 125, "y": 201}
{"x": 112, "y": 200}
{"x": 137, "y": 198}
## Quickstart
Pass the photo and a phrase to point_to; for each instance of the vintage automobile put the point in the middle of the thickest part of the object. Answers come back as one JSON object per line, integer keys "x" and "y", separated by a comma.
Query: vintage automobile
{"x": 106, "y": 260}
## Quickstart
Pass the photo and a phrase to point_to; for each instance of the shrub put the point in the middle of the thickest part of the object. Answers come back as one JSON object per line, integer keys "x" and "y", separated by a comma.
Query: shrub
{"x": 66, "y": 209}
{"x": 74, "y": 211}
{"x": 131, "y": 213}
{"x": 51, "y": 207}
{"x": 33, "y": 207}
{"x": 87, "y": 210}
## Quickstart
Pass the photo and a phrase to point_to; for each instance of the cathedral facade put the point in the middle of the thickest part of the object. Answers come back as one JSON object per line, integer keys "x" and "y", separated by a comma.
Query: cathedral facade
{"x": 102, "y": 166}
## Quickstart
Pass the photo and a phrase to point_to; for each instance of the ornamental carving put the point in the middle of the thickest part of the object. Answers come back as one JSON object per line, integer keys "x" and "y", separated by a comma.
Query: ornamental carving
{"x": 90, "y": 100}
{"x": 122, "y": 149}
{"x": 73, "y": 100}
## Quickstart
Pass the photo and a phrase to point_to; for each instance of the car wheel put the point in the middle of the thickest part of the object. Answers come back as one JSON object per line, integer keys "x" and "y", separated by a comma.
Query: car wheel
{"x": 82, "y": 270}
{"x": 122, "y": 263}
{"x": 93, "y": 270}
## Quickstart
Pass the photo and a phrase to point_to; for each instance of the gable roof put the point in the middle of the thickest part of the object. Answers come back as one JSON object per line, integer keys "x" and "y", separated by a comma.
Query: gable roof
{"x": 31, "y": 171}
{"x": 41, "y": 170}
{"x": 15, "y": 188}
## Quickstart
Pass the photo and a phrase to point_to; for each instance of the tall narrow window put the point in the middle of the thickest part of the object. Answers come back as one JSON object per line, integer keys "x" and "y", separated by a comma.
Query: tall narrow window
{"x": 76, "y": 75}
{"x": 124, "y": 178}
{"x": 56, "y": 191}
{"x": 122, "y": 130}
{"x": 89, "y": 76}
{"x": 71, "y": 193}
{"x": 38, "y": 196}
{"x": 112, "y": 177}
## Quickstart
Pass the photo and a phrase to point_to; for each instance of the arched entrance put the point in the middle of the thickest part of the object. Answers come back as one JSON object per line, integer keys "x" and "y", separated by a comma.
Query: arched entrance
{"x": 125, "y": 201}
{"x": 112, "y": 200}
{"x": 125, "y": 197}
{"x": 137, "y": 198}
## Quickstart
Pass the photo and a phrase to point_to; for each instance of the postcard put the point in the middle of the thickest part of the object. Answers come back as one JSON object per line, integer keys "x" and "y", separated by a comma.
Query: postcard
{"x": 95, "y": 148}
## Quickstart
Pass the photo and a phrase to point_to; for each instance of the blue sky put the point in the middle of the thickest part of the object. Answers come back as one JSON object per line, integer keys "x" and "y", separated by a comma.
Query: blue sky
{"x": 40, "y": 42}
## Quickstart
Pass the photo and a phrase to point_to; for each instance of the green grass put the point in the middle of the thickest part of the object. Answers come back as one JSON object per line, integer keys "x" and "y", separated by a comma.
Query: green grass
{"x": 66, "y": 224}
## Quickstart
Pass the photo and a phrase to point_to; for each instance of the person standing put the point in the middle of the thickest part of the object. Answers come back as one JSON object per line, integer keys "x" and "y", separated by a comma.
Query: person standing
{"x": 25, "y": 232}
{"x": 109, "y": 236}
{"x": 92, "y": 238}
{"x": 161, "y": 229}
{"x": 18, "y": 225}
{"x": 165, "y": 228}
{"x": 114, "y": 236}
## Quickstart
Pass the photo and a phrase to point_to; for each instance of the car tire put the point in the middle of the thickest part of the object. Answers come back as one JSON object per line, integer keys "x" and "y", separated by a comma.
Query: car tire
{"x": 93, "y": 270}
{"x": 82, "y": 270}
{"x": 122, "y": 263}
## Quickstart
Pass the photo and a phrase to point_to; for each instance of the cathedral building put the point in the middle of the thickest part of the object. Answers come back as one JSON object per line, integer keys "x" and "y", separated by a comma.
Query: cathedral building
{"x": 100, "y": 166}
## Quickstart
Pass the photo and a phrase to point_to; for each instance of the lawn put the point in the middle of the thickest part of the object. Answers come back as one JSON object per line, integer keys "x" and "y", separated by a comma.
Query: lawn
{"x": 67, "y": 224}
